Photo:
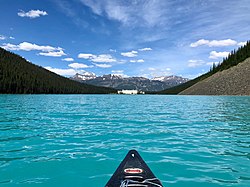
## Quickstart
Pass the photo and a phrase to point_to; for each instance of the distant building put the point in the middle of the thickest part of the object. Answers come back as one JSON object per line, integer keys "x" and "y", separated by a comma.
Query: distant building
{"x": 130, "y": 92}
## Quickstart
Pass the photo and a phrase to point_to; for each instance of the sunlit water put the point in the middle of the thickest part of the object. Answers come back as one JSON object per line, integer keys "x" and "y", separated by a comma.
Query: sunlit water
{"x": 79, "y": 140}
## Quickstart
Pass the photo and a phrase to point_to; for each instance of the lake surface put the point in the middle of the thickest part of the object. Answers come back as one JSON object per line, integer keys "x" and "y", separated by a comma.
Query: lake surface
{"x": 79, "y": 140}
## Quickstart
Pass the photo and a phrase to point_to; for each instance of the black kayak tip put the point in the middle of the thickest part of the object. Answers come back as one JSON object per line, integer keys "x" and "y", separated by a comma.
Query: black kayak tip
{"x": 133, "y": 171}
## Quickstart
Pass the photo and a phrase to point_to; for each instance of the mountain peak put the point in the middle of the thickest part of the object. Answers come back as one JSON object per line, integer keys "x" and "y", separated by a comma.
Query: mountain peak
{"x": 112, "y": 76}
{"x": 170, "y": 78}
{"x": 137, "y": 83}
{"x": 84, "y": 76}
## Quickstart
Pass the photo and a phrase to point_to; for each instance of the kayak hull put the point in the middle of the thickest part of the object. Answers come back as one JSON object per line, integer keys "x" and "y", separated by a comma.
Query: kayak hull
{"x": 133, "y": 170}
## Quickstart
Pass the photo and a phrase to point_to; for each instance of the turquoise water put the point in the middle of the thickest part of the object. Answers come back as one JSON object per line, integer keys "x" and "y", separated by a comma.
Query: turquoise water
{"x": 79, "y": 140}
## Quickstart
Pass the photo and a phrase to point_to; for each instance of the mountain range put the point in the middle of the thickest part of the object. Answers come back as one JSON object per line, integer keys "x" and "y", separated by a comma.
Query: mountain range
{"x": 230, "y": 77}
{"x": 130, "y": 83}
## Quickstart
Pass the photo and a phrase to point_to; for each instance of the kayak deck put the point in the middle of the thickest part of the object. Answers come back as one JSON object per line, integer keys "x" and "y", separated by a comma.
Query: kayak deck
{"x": 133, "y": 172}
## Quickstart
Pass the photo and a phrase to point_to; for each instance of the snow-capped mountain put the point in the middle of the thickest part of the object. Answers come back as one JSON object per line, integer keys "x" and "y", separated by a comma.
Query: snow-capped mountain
{"x": 171, "y": 79}
{"x": 138, "y": 83}
{"x": 84, "y": 76}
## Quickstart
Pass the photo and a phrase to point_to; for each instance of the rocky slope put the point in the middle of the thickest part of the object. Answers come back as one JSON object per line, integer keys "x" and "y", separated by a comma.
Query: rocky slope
{"x": 233, "y": 81}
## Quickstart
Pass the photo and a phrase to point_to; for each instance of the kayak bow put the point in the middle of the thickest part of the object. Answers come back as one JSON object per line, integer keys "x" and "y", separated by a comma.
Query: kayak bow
{"x": 133, "y": 172}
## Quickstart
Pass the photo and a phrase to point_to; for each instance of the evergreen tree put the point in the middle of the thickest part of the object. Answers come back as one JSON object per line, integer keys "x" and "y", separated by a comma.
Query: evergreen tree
{"x": 18, "y": 76}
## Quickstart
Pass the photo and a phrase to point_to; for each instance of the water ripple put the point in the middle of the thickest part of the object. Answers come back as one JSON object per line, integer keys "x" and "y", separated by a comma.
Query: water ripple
{"x": 79, "y": 140}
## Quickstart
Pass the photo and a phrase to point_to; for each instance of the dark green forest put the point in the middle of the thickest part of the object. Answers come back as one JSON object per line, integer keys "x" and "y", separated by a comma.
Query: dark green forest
{"x": 234, "y": 58}
{"x": 18, "y": 76}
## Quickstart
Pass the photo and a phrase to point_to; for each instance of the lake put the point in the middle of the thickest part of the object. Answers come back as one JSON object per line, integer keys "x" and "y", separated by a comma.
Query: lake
{"x": 79, "y": 140}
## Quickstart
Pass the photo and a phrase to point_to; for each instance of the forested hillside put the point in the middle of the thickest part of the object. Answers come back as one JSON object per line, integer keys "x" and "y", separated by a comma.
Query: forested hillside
{"x": 18, "y": 76}
{"x": 234, "y": 58}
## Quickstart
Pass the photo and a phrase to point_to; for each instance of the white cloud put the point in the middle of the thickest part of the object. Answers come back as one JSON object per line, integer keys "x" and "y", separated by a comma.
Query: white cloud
{"x": 242, "y": 43}
{"x": 130, "y": 54}
{"x": 216, "y": 55}
{"x": 2, "y": 37}
{"x": 195, "y": 63}
{"x": 9, "y": 46}
{"x": 26, "y": 46}
{"x": 85, "y": 56}
{"x": 103, "y": 58}
{"x": 97, "y": 58}
{"x": 137, "y": 61}
{"x": 220, "y": 43}
{"x": 152, "y": 13}
{"x": 68, "y": 59}
{"x": 140, "y": 61}
{"x": 53, "y": 53}
{"x": 199, "y": 42}
{"x": 32, "y": 13}
{"x": 63, "y": 72}
{"x": 66, "y": 8}
{"x": 145, "y": 49}
{"x": 94, "y": 5}
{"x": 11, "y": 37}
{"x": 214, "y": 43}
{"x": 119, "y": 73}
{"x": 103, "y": 65}
{"x": 79, "y": 66}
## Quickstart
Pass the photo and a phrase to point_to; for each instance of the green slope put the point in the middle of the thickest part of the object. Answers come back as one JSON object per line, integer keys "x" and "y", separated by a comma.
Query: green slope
{"x": 18, "y": 76}
{"x": 234, "y": 58}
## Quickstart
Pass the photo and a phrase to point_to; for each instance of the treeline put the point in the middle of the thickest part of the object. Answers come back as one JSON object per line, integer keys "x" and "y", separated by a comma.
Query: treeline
{"x": 18, "y": 76}
{"x": 234, "y": 58}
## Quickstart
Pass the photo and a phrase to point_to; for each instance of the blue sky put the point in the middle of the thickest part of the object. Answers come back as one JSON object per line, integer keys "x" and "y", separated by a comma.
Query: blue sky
{"x": 131, "y": 38}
